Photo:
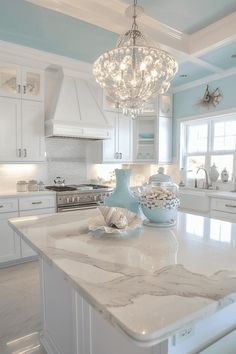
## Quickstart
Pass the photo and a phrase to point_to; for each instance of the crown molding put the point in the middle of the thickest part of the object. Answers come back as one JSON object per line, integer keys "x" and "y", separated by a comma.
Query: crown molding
{"x": 23, "y": 55}
{"x": 204, "y": 80}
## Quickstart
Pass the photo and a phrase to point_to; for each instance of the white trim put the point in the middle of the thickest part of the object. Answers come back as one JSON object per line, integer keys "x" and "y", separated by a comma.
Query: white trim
{"x": 205, "y": 80}
{"x": 34, "y": 57}
{"x": 208, "y": 115}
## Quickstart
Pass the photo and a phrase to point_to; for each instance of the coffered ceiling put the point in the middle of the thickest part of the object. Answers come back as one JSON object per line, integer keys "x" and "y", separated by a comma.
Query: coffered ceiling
{"x": 201, "y": 34}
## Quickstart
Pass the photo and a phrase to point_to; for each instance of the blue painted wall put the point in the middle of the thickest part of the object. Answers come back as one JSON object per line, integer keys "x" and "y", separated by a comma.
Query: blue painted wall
{"x": 186, "y": 102}
{"x": 40, "y": 28}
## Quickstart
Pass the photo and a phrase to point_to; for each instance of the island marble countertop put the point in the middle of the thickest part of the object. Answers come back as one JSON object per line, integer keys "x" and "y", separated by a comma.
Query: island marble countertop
{"x": 149, "y": 285}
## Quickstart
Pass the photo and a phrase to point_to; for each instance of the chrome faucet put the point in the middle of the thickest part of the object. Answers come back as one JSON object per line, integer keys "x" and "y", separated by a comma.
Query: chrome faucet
{"x": 207, "y": 185}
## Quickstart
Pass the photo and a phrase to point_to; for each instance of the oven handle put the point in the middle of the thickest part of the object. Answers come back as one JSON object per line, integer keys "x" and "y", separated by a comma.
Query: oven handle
{"x": 62, "y": 210}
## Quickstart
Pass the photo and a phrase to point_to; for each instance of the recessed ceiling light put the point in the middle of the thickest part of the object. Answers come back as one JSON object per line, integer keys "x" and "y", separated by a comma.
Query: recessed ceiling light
{"x": 233, "y": 56}
{"x": 183, "y": 75}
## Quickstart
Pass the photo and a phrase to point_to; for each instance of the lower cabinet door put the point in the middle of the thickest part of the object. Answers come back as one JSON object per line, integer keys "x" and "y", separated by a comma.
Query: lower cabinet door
{"x": 9, "y": 240}
{"x": 26, "y": 251}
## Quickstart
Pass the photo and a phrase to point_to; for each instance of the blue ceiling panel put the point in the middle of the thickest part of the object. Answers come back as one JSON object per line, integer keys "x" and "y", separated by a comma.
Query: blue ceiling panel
{"x": 193, "y": 72}
{"x": 187, "y": 15}
{"x": 222, "y": 56}
{"x": 24, "y": 23}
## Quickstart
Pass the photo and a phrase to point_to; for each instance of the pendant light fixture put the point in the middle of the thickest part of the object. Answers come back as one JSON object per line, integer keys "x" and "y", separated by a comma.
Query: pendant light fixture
{"x": 134, "y": 71}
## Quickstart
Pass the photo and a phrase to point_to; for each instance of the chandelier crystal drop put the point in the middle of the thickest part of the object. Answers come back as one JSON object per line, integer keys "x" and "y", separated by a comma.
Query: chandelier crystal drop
{"x": 134, "y": 71}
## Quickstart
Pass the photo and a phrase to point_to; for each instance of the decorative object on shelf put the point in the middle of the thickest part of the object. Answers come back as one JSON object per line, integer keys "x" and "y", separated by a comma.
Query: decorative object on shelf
{"x": 122, "y": 196}
{"x": 213, "y": 174}
{"x": 135, "y": 71}
{"x": 158, "y": 200}
{"x": 211, "y": 98}
{"x": 115, "y": 221}
{"x": 224, "y": 175}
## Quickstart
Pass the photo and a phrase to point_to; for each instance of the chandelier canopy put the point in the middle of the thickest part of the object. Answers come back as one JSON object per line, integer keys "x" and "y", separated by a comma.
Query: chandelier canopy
{"x": 134, "y": 72}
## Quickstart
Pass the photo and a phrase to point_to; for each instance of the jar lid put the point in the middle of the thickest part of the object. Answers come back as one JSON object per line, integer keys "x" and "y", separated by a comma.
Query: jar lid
{"x": 21, "y": 182}
{"x": 33, "y": 181}
{"x": 160, "y": 177}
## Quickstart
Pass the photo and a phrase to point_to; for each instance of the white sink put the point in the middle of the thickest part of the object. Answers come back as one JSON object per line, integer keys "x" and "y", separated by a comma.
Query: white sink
{"x": 196, "y": 200}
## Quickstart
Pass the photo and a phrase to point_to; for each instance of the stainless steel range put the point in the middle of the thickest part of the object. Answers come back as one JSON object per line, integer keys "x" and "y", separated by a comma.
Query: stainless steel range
{"x": 78, "y": 197}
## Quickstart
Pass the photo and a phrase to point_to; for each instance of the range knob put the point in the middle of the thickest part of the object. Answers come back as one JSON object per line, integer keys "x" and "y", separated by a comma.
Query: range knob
{"x": 67, "y": 200}
{"x": 72, "y": 199}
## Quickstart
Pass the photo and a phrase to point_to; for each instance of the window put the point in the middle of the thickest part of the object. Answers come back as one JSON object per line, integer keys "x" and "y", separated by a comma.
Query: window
{"x": 208, "y": 141}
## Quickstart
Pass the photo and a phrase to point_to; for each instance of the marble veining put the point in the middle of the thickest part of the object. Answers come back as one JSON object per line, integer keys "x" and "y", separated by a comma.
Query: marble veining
{"x": 174, "y": 276}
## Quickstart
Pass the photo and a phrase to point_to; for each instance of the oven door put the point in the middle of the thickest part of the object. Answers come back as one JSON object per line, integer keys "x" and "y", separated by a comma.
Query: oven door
{"x": 66, "y": 208}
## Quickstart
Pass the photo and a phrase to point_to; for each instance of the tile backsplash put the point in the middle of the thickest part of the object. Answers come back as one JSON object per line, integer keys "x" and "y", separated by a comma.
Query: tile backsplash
{"x": 66, "y": 158}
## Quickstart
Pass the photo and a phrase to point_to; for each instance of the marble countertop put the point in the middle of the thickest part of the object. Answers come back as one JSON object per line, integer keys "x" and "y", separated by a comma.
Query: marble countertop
{"x": 14, "y": 193}
{"x": 149, "y": 285}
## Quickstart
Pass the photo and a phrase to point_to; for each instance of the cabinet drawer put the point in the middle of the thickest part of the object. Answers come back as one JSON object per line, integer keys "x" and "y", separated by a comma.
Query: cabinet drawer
{"x": 8, "y": 205}
{"x": 225, "y": 205}
{"x": 29, "y": 203}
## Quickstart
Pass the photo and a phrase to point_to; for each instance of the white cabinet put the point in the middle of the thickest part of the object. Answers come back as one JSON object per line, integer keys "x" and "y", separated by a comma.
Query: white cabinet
{"x": 10, "y": 129}
{"x": 153, "y": 139}
{"x": 165, "y": 105}
{"x": 10, "y": 79}
{"x": 32, "y": 128}
{"x": 164, "y": 140}
{"x": 12, "y": 247}
{"x": 224, "y": 209}
{"x": 21, "y": 130}
{"x": 21, "y": 82}
{"x": 117, "y": 149}
{"x": 9, "y": 241}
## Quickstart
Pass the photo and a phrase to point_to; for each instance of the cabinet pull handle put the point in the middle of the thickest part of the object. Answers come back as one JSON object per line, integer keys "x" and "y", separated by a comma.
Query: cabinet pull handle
{"x": 18, "y": 88}
{"x": 36, "y": 203}
{"x": 230, "y": 206}
{"x": 120, "y": 155}
{"x": 25, "y": 152}
{"x": 19, "y": 152}
{"x": 1, "y": 206}
{"x": 24, "y": 91}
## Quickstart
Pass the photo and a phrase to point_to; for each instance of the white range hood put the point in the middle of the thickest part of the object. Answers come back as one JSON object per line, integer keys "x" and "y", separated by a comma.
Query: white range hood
{"x": 74, "y": 108}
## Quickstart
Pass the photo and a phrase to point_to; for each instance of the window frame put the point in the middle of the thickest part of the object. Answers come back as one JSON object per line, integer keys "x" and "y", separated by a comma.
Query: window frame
{"x": 183, "y": 141}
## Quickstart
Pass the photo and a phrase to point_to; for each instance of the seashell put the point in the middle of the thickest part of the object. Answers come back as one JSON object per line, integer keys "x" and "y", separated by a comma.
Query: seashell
{"x": 107, "y": 213}
{"x": 119, "y": 220}
{"x": 114, "y": 217}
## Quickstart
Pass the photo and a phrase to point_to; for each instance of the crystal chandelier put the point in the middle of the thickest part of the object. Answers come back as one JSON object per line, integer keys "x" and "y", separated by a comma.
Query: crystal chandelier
{"x": 134, "y": 71}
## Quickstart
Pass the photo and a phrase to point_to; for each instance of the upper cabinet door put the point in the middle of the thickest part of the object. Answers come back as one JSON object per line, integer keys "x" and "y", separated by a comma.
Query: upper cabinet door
{"x": 10, "y": 130}
{"x": 33, "y": 144}
{"x": 10, "y": 80}
{"x": 125, "y": 133}
{"x": 32, "y": 84}
{"x": 165, "y": 105}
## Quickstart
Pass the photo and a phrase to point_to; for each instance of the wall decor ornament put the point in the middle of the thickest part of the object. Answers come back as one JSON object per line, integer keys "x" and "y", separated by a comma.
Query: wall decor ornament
{"x": 211, "y": 97}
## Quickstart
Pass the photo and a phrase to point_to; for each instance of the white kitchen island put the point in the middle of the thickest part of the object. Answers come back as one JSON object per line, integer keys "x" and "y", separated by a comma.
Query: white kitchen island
{"x": 162, "y": 291}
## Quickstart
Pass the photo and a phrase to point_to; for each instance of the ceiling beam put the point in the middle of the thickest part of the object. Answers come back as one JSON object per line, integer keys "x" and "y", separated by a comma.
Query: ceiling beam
{"x": 213, "y": 36}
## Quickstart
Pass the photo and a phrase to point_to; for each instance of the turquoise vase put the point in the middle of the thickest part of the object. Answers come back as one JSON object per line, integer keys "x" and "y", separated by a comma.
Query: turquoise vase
{"x": 122, "y": 196}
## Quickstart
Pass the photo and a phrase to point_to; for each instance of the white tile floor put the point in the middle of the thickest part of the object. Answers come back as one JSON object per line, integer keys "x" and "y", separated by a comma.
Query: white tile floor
{"x": 19, "y": 310}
